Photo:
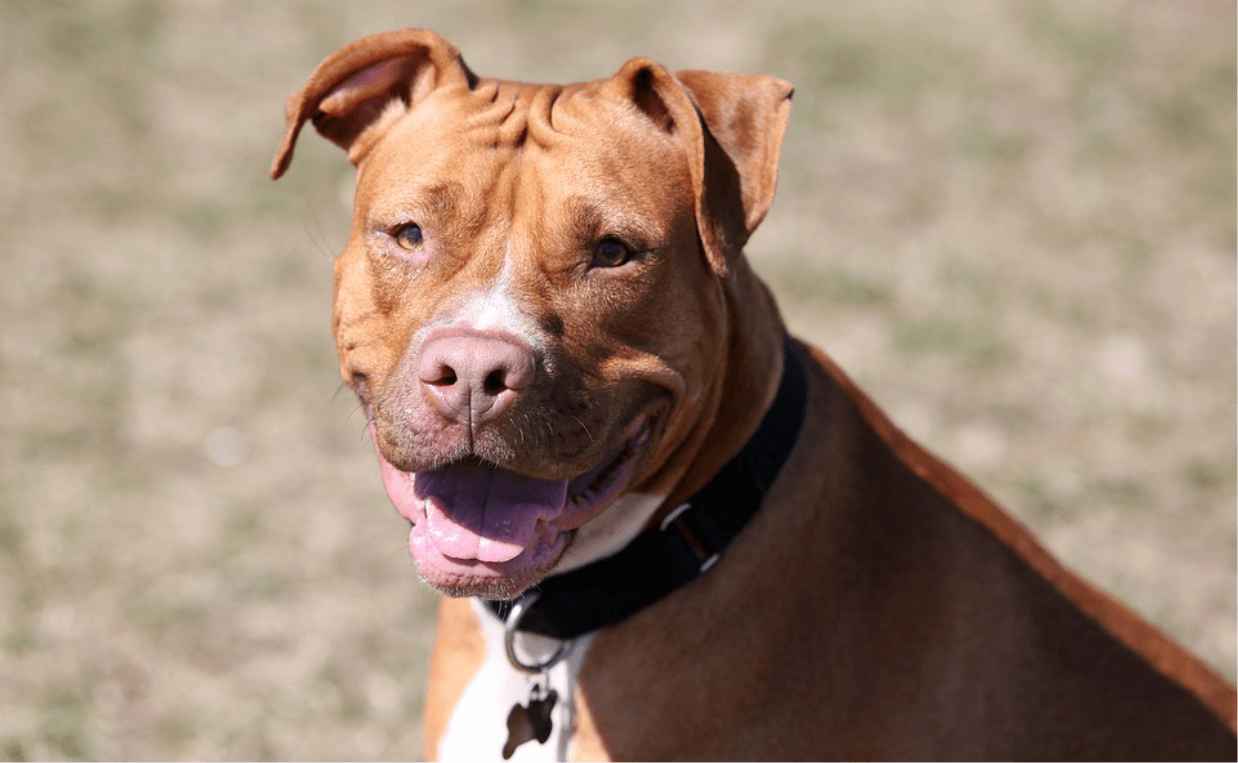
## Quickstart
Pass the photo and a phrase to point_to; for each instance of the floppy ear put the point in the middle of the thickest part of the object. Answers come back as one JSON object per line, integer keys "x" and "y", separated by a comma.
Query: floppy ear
{"x": 747, "y": 115}
{"x": 731, "y": 128}
{"x": 353, "y": 87}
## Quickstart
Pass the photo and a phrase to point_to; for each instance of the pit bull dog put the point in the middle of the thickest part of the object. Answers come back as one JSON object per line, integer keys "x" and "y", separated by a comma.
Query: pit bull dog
{"x": 665, "y": 529}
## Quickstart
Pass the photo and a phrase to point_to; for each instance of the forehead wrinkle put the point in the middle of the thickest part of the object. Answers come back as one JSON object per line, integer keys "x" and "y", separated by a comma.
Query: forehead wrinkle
{"x": 501, "y": 114}
{"x": 542, "y": 111}
{"x": 489, "y": 105}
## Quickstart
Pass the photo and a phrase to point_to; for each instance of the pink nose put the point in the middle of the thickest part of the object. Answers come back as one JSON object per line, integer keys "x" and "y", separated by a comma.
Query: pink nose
{"x": 473, "y": 378}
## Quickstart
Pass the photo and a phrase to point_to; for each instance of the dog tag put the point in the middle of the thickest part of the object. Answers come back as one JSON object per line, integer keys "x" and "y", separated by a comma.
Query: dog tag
{"x": 531, "y": 721}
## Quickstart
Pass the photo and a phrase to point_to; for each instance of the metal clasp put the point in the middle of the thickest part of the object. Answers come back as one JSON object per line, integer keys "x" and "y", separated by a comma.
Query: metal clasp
{"x": 519, "y": 607}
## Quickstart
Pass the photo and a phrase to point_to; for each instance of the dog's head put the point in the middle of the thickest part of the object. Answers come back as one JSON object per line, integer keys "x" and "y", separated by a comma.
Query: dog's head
{"x": 535, "y": 306}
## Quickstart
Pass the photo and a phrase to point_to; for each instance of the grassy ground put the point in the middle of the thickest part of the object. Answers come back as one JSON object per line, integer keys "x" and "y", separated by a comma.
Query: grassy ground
{"x": 1012, "y": 222}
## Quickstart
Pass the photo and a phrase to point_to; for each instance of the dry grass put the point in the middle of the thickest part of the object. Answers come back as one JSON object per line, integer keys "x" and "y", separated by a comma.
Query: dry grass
{"x": 1012, "y": 222}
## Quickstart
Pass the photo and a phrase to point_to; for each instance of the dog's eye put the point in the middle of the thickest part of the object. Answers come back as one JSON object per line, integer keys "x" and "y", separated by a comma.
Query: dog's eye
{"x": 610, "y": 253}
{"x": 408, "y": 236}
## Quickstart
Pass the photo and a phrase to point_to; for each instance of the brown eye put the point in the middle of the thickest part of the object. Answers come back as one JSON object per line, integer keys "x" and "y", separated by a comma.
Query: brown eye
{"x": 610, "y": 253}
{"x": 409, "y": 237}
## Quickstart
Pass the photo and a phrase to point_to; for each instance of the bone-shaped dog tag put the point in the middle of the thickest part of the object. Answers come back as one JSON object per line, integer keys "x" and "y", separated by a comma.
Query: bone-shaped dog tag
{"x": 531, "y": 721}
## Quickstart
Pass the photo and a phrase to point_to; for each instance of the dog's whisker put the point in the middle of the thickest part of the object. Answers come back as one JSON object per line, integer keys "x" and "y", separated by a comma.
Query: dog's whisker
{"x": 582, "y": 426}
{"x": 320, "y": 240}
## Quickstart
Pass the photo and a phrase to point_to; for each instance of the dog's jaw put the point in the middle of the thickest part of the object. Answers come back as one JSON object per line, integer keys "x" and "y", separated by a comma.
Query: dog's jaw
{"x": 480, "y": 530}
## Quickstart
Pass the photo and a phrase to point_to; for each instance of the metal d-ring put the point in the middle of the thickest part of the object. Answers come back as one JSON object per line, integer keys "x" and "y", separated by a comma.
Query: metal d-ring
{"x": 521, "y": 606}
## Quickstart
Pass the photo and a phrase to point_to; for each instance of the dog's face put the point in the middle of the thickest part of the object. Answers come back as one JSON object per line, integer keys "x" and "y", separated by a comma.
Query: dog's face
{"x": 506, "y": 310}
{"x": 528, "y": 307}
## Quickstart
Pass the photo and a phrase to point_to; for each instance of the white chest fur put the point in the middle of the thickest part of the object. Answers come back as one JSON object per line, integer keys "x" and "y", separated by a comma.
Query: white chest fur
{"x": 478, "y": 727}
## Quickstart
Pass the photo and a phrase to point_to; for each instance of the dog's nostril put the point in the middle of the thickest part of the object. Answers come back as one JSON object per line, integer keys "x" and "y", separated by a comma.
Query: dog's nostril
{"x": 445, "y": 376}
{"x": 495, "y": 382}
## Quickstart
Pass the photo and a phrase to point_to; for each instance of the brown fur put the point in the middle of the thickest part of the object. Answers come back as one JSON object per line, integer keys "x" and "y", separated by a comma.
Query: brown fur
{"x": 879, "y": 605}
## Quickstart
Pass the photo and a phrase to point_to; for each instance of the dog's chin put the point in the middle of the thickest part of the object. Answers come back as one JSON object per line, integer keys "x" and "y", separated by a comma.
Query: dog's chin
{"x": 482, "y": 530}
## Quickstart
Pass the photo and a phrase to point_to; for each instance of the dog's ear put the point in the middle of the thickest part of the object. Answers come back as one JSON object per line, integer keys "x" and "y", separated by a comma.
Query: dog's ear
{"x": 350, "y": 90}
{"x": 731, "y": 126}
{"x": 746, "y": 114}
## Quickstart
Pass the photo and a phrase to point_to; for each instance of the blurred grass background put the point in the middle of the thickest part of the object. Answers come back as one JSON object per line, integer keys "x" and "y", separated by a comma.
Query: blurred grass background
{"x": 1013, "y": 223}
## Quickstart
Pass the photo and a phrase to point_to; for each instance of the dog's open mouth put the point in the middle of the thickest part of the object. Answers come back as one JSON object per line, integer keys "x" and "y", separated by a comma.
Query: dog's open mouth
{"x": 479, "y": 529}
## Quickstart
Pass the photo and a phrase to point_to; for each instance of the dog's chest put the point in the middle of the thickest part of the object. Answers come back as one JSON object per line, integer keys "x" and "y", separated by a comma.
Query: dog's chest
{"x": 479, "y": 725}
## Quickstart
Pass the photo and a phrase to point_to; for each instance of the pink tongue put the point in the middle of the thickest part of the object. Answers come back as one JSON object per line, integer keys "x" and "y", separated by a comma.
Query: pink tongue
{"x": 486, "y": 513}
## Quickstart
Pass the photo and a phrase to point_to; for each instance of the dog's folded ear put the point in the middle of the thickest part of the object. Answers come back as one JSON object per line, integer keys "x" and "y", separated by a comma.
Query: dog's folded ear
{"x": 350, "y": 91}
{"x": 747, "y": 115}
{"x": 731, "y": 126}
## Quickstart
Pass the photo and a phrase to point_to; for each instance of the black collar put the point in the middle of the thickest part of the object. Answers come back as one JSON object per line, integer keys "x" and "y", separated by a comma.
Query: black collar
{"x": 688, "y": 541}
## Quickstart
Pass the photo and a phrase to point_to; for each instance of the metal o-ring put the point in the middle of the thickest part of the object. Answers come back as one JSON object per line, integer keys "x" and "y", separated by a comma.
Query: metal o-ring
{"x": 509, "y": 638}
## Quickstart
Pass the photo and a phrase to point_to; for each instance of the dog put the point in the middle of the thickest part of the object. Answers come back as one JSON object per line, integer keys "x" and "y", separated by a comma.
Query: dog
{"x": 665, "y": 529}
